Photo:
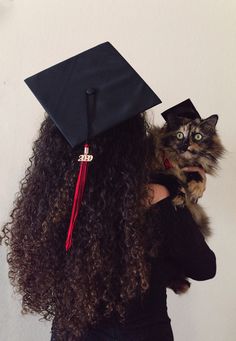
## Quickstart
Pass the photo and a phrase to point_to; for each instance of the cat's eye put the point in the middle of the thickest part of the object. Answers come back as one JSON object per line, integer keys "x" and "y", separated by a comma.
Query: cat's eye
{"x": 179, "y": 135}
{"x": 198, "y": 137}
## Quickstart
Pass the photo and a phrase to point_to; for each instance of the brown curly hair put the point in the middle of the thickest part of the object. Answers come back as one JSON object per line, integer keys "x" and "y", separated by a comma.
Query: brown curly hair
{"x": 109, "y": 261}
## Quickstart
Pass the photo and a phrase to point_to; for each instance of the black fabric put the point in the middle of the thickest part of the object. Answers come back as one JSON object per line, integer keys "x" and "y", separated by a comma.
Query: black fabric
{"x": 170, "y": 181}
{"x": 183, "y": 109}
{"x": 120, "y": 93}
{"x": 183, "y": 251}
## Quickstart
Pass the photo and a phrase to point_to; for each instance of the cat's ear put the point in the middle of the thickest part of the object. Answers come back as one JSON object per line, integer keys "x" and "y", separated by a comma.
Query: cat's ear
{"x": 210, "y": 121}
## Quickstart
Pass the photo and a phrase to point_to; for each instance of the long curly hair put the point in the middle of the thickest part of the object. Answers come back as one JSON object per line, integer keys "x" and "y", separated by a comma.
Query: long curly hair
{"x": 109, "y": 261}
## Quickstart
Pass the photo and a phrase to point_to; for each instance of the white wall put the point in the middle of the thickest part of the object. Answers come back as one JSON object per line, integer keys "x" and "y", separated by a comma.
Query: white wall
{"x": 182, "y": 48}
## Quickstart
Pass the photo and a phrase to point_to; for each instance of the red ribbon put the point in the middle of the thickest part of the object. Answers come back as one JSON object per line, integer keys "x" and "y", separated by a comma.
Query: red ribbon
{"x": 79, "y": 190}
{"x": 166, "y": 162}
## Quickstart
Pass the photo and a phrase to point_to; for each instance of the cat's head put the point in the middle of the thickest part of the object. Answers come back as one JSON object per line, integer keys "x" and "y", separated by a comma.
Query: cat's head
{"x": 193, "y": 140}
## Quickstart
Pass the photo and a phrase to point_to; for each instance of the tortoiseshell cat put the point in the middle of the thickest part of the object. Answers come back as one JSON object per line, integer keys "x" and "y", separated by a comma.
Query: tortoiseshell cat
{"x": 185, "y": 142}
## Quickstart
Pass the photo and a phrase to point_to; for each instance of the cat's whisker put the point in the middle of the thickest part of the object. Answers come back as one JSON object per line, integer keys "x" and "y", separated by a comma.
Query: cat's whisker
{"x": 208, "y": 156}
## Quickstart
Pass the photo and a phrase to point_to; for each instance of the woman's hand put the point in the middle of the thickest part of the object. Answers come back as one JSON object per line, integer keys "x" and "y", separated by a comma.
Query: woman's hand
{"x": 196, "y": 169}
{"x": 196, "y": 182}
{"x": 159, "y": 192}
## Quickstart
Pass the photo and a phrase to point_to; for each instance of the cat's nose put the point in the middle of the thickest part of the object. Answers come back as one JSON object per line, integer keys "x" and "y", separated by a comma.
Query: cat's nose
{"x": 184, "y": 147}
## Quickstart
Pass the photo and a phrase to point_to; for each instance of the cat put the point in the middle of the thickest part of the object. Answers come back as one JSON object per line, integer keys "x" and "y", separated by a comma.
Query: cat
{"x": 180, "y": 143}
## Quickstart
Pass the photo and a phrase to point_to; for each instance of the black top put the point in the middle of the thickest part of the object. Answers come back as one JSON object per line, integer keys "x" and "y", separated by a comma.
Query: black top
{"x": 183, "y": 251}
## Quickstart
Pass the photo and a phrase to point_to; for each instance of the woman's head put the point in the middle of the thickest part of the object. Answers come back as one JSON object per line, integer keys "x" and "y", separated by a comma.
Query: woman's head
{"x": 107, "y": 263}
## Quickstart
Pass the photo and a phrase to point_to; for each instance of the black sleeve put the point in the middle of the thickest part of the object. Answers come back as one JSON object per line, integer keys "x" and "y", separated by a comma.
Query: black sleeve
{"x": 183, "y": 243}
{"x": 171, "y": 182}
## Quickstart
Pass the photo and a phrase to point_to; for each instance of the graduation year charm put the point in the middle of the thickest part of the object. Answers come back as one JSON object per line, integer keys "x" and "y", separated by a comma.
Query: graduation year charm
{"x": 85, "y": 156}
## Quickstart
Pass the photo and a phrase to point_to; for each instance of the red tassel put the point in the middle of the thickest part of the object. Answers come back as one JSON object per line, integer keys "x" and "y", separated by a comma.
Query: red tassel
{"x": 79, "y": 190}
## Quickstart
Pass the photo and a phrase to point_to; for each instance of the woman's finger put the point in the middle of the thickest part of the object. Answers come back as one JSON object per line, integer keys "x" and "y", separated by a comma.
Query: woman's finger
{"x": 195, "y": 169}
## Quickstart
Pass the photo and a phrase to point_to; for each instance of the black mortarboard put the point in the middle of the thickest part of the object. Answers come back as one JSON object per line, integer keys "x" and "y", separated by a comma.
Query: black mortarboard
{"x": 183, "y": 109}
{"x": 88, "y": 94}
{"x": 120, "y": 92}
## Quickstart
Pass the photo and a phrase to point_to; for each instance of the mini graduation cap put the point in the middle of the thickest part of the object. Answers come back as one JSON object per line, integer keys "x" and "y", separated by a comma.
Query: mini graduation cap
{"x": 86, "y": 95}
{"x": 184, "y": 109}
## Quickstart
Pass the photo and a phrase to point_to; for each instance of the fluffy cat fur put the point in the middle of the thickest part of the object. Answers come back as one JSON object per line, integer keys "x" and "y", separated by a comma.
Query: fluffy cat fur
{"x": 180, "y": 143}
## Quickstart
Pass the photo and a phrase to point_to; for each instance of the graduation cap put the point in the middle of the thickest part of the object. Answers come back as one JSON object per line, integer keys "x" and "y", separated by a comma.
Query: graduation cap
{"x": 185, "y": 109}
{"x": 86, "y": 95}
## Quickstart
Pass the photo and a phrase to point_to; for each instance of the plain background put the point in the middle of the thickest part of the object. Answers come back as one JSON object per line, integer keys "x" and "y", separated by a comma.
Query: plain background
{"x": 182, "y": 48}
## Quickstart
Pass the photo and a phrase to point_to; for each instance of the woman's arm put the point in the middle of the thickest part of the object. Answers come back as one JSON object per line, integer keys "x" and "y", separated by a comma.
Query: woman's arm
{"x": 183, "y": 243}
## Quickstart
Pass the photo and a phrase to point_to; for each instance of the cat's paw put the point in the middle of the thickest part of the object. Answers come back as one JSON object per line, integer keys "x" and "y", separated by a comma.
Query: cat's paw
{"x": 195, "y": 190}
{"x": 180, "y": 199}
